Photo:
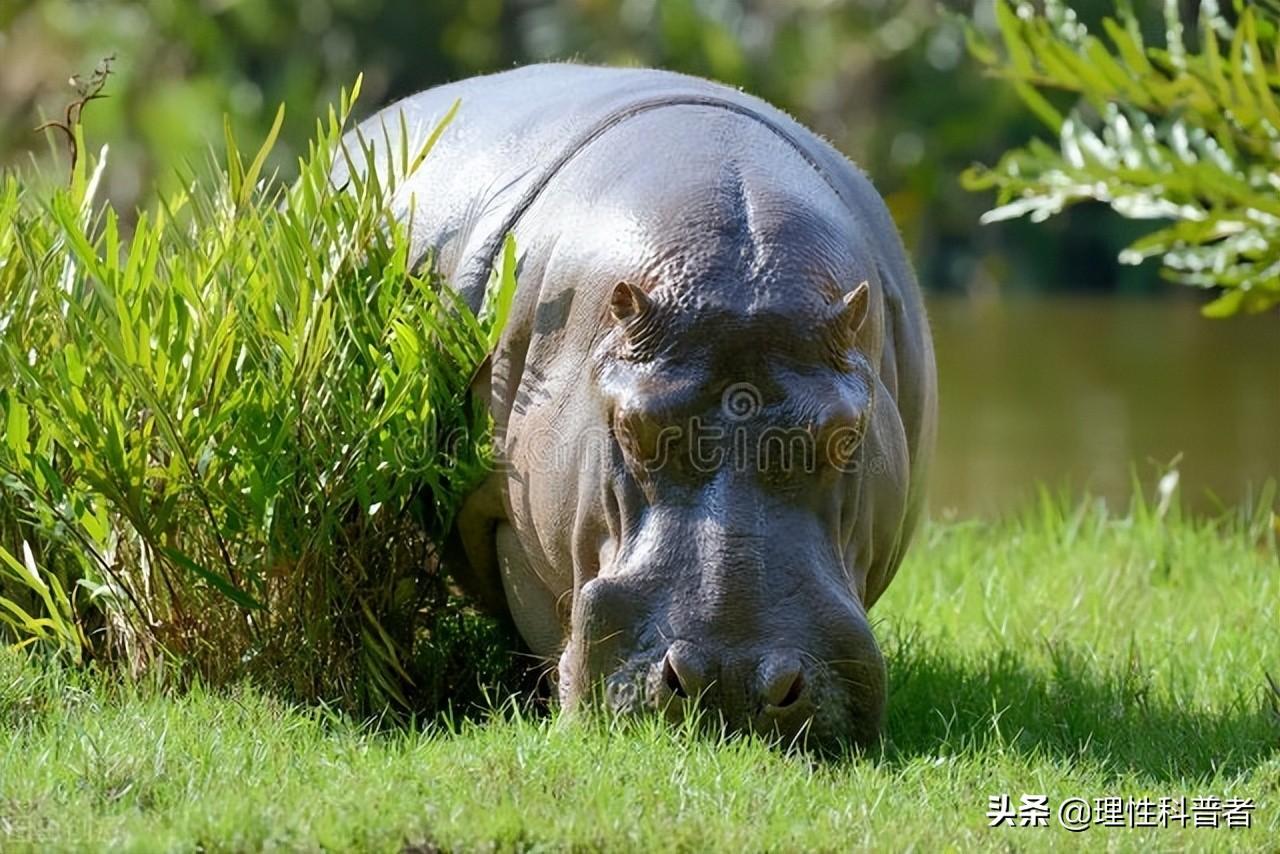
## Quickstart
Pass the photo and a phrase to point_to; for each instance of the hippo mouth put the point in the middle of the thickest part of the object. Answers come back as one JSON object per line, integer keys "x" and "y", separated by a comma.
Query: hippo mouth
{"x": 783, "y": 693}
{"x": 816, "y": 715}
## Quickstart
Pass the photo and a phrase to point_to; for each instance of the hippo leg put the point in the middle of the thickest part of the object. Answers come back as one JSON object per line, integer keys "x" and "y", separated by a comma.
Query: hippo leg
{"x": 531, "y": 601}
{"x": 470, "y": 555}
{"x": 491, "y": 567}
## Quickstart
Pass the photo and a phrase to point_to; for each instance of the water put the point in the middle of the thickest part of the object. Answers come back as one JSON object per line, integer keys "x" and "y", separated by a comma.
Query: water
{"x": 1079, "y": 391}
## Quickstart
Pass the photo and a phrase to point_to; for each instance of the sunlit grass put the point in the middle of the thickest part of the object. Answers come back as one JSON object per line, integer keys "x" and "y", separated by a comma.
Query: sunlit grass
{"x": 1070, "y": 652}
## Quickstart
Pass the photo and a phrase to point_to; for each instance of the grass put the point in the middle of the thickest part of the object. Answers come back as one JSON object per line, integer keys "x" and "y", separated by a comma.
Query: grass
{"x": 1069, "y": 652}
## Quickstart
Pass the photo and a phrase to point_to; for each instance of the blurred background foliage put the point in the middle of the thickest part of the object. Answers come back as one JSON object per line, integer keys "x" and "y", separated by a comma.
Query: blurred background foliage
{"x": 889, "y": 81}
{"x": 1180, "y": 134}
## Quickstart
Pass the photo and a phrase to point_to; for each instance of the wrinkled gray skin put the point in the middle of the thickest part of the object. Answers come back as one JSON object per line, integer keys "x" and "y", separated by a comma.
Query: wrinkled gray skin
{"x": 689, "y": 270}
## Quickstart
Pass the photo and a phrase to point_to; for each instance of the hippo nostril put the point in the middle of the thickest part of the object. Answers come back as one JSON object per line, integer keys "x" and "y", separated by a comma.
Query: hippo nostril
{"x": 793, "y": 693}
{"x": 672, "y": 679}
{"x": 684, "y": 670}
{"x": 782, "y": 682}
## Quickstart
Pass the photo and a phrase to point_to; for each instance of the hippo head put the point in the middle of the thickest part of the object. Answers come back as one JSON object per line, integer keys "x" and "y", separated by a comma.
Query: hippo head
{"x": 730, "y": 581}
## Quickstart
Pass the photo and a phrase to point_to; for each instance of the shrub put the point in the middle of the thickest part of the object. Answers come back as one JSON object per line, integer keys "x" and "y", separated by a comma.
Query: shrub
{"x": 1182, "y": 133}
{"x": 234, "y": 437}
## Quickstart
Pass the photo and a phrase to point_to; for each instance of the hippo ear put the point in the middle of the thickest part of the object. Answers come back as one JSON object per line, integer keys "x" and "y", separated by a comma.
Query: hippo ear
{"x": 628, "y": 303}
{"x": 852, "y": 313}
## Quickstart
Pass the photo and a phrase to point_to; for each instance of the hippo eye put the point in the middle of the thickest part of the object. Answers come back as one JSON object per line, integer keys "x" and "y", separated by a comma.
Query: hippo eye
{"x": 643, "y": 441}
{"x": 842, "y": 430}
{"x": 841, "y": 447}
{"x": 840, "y": 444}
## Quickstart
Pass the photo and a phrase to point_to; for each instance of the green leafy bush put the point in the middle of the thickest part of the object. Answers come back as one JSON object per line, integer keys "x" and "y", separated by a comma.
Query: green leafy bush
{"x": 1184, "y": 133}
{"x": 234, "y": 437}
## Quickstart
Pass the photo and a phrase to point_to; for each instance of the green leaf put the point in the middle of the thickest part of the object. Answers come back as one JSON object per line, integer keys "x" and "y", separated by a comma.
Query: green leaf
{"x": 1225, "y": 305}
{"x": 17, "y": 428}
{"x": 502, "y": 291}
{"x": 235, "y": 167}
{"x": 221, "y": 583}
{"x": 434, "y": 137}
{"x": 250, "y": 178}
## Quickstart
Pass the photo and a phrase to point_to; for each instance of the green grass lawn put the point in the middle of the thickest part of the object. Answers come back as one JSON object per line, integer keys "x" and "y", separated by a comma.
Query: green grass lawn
{"x": 1065, "y": 653}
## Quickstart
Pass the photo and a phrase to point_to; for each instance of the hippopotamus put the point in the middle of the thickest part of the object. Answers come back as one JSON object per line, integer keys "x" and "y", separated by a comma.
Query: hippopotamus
{"x": 713, "y": 400}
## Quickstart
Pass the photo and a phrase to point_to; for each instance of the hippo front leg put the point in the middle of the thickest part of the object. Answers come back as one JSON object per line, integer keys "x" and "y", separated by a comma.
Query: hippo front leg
{"x": 471, "y": 554}
{"x": 497, "y": 573}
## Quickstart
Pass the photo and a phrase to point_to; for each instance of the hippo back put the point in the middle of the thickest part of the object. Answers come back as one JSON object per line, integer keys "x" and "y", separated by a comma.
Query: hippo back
{"x": 516, "y": 130}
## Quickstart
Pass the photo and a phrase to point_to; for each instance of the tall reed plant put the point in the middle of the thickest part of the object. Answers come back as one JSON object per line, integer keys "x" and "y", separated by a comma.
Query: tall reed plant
{"x": 236, "y": 431}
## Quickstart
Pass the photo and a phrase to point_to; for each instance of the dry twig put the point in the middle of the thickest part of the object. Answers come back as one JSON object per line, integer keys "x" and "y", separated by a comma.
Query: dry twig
{"x": 86, "y": 90}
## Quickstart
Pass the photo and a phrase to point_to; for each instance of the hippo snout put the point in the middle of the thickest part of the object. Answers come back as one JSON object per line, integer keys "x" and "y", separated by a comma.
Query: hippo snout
{"x": 782, "y": 692}
{"x": 816, "y": 678}
{"x": 779, "y": 679}
{"x": 773, "y": 695}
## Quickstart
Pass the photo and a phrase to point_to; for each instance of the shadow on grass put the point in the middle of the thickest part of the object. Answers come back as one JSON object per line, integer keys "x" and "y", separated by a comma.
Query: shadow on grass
{"x": 1058, "y": 703}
